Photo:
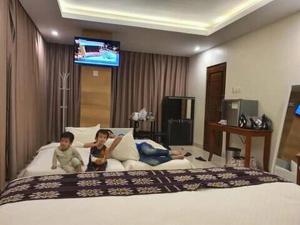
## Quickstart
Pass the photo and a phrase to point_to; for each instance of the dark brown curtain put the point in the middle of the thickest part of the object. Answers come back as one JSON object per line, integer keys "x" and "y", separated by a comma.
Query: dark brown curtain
{"x": 26, "y": 89}
{"x": 60, "y": 60}
{"x": 142, "y": 80}
{"x": 3, "y": 34}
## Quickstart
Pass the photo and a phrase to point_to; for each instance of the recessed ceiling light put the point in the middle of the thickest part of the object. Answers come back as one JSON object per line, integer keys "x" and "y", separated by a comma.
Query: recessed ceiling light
{"x": 54, "y": 33}
{"x": 197, "y": 48}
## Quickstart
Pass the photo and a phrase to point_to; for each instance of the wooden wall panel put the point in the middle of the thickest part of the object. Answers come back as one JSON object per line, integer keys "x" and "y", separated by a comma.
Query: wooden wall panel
{"x": 95, "y": 96}
{"x": 95, "y": 90}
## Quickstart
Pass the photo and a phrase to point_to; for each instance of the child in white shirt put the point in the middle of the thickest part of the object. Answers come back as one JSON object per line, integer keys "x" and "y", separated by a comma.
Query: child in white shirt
{"x": 68, "y": 157}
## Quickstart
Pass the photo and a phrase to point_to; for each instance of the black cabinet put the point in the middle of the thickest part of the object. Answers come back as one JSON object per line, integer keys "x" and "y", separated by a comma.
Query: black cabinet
{"x": 178, "y": 120}
{"x": 180, "y": 132}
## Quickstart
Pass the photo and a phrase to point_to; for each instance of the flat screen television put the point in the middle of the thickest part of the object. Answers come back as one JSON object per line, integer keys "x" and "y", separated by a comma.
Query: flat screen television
{"x": 96, "y": 52}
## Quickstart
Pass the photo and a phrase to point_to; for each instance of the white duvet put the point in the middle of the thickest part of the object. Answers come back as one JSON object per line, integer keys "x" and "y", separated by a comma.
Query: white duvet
{"x": 266, "y": 204}
{"x": 41, "y": 164}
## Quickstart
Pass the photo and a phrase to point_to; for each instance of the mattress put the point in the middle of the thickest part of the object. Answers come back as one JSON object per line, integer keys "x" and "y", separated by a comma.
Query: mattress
{"x": 41, "y": 164}
{"x": 268, "y": 204}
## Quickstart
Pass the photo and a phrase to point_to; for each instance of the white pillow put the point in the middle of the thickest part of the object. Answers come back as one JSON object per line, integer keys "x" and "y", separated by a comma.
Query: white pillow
{"x": 83, "y": 134}
{"x": 126, "y": 149}
{"x": 119, "y": 131}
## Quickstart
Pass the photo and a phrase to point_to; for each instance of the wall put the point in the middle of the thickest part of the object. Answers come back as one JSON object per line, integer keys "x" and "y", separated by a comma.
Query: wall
{"x": 263, "y": 64}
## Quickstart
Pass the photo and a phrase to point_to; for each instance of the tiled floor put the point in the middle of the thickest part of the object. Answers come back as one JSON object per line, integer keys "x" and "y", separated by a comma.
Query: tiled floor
{"x": 196, "y": 152}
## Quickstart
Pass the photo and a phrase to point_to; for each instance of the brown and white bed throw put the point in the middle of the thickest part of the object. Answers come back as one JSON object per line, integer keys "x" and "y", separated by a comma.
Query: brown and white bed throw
{"x": 95, "y": 184}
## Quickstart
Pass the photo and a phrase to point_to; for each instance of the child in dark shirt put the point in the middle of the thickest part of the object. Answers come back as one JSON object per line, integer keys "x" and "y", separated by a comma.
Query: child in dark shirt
{"x": 99, "y": 153}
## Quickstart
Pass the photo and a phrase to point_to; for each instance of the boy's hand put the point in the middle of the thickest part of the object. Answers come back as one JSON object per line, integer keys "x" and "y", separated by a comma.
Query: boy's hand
{"x": 100, "y": 161}
{"x": 53, "y": 167}
{"x": 119, "y": 138}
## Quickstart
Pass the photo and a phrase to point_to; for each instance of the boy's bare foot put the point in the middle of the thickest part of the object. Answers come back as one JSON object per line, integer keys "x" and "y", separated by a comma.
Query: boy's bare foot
{"x": 177, "y": 156}
{"x": 79, "y": 169}
{"x": 176, "y": 152}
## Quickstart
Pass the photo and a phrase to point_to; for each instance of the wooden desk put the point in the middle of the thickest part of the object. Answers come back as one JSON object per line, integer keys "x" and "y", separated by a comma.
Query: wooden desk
{"x": 248, "y": 133}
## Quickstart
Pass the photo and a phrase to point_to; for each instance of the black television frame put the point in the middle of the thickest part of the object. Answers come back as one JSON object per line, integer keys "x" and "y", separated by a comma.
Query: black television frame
{"x": 100, "y": 40}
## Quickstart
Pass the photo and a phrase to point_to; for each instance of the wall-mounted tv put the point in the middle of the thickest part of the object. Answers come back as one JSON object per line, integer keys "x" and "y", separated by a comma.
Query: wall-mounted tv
{"x": 96, "y": 52}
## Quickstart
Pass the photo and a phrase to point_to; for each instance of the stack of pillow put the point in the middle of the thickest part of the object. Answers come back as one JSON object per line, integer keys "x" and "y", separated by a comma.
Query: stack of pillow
{"x": 125, "y": 150}
{"x": 83, "y": 134}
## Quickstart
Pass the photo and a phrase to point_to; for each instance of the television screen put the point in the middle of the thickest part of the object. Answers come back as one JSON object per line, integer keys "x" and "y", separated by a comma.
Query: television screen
{"x": 96, "y": 52}
{"x": 297, "y": 110}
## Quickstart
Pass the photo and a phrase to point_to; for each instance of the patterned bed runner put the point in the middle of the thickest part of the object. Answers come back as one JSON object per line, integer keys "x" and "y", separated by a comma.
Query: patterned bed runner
{"x": 127, "y": 183}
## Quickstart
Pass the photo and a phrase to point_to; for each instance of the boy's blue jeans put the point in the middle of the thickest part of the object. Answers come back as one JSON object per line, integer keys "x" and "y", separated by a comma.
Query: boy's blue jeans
{"x": 153, "y": 156}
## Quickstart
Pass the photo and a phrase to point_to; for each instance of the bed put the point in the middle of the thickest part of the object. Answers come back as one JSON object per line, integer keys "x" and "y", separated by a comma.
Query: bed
{"x": 41, "y": 164}
{"x": 270, "y": 201}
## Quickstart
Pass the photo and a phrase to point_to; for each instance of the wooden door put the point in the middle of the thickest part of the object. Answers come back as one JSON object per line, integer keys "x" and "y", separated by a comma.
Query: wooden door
{"x": 215, "y": 93}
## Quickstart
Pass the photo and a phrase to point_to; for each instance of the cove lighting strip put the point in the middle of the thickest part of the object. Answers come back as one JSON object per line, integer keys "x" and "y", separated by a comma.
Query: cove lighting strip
{"x": 205, "y": 28}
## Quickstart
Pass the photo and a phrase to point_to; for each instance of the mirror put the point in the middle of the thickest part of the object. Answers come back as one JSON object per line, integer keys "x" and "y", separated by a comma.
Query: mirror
{"x": 290, "y": 138}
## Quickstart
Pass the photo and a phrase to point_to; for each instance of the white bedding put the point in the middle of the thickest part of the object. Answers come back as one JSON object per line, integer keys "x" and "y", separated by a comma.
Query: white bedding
{"x": 171, "y": 165}
{"x": 267, "y": 204}
{"x": 41, "y": 164}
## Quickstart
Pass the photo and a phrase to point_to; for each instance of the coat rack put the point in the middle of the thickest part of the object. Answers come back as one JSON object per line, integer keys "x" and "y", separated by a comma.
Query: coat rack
{"x": 64, "y": 81}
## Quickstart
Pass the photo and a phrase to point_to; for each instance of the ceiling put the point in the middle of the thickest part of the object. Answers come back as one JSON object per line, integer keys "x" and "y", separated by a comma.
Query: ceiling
{"x": 189, "y": 16}
{"x": 173, "y": 27}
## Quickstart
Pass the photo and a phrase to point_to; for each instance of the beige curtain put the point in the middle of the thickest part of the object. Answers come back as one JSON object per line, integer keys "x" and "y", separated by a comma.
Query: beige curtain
{"x": 3, "y": 34}
{"x": 30, "y": 89}
{"x": 142, "y": 80}
{"x": 60, "y": 60}
{"x": 27, "y": 90}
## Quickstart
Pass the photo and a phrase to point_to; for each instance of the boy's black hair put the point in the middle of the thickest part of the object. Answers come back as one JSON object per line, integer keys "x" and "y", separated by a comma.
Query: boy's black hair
{"x": 110, "y": 131}
{"x": 102, "y": 131}
{"x": 68, "y": 135}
